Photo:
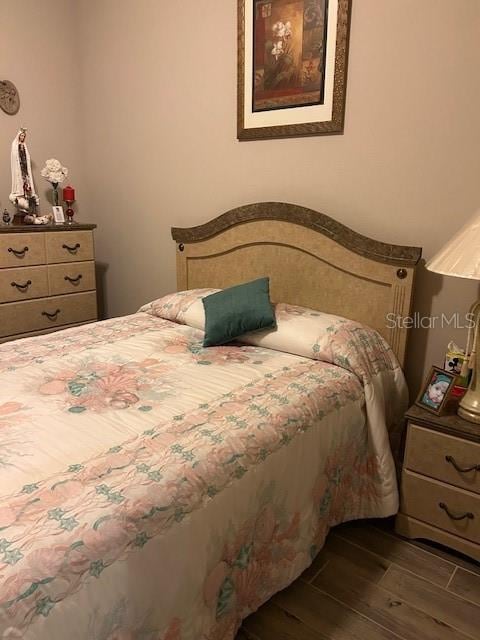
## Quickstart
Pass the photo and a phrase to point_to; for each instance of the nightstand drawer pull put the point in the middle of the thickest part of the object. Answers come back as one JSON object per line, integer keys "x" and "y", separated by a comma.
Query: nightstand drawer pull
{"x": 468, "y": 514}
{"x": 21, "y": 287}
{"x": 451, "y": 460}
{"x": 18, "y": 253}
{"x": 51, "y": 316}
{"x": 71, "y": 249}
{"x": 73, "y": 280}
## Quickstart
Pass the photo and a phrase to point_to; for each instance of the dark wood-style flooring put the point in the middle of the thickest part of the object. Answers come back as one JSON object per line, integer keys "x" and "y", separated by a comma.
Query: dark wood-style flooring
{"x": 369, "y": 584}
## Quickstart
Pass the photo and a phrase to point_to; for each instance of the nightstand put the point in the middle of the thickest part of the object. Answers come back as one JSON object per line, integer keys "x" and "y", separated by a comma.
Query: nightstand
{"x": 440, "y": 487}
{"x": 47, "y": 279}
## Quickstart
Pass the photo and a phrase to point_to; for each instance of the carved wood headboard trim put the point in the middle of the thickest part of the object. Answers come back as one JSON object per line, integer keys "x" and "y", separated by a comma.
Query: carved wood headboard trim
{"x": 394, "y": 254}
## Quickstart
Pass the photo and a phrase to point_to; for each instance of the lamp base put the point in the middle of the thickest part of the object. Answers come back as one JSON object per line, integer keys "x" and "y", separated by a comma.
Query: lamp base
{"x": 469, "y": 407}
{"x": 468, "y": 416}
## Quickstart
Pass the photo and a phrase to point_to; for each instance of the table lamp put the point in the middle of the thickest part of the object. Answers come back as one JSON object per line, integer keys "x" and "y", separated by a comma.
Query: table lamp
{"x": 460, "y": 257}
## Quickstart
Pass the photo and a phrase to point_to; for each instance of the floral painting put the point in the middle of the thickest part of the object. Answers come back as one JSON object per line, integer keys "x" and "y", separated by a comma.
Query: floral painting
{"x": 292, "y": 67}
{"x": 289, "y": 53}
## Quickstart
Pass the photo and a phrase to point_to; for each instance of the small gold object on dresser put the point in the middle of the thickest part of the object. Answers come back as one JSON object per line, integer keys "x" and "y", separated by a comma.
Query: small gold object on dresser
{"x": 440, "y": 488}
{"x": 47, "y": 279}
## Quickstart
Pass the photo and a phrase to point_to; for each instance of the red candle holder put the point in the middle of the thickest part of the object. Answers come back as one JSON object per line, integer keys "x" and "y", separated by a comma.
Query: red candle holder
{"x": 69, "y": 198}
{"x": 69, "y": 212}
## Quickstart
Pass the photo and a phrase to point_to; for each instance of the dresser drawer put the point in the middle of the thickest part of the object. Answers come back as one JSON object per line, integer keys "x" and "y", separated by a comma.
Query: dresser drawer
{"x": 23, "y": 284}
{"x": 444, "y": 457}
{"x": 441, "y": 505}
{"x": 69, "y": 246}
{"x": 21, "y": 249}
{"x": 35, "y": 315}
{"x": 71, "y": 278}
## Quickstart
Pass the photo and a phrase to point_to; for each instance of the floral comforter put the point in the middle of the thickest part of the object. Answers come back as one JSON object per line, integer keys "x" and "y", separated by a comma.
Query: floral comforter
{"x": 151, "y": 489}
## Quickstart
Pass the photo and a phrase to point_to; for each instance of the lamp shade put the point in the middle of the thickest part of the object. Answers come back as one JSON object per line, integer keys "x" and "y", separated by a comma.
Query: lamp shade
{"x": 461, "y": 255}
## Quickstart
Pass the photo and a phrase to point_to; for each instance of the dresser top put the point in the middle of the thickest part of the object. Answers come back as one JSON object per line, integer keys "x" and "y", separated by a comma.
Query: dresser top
{"x": 450, "y": 423}
{"x": 36, "y": 228}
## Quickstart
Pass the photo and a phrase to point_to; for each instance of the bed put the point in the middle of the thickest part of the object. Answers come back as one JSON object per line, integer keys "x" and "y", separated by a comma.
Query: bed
{"x": 152, "y": 489}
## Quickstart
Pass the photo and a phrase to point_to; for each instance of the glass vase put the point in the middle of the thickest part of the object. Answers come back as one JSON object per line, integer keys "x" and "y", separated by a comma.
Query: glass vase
{"x": 55, "y": 193}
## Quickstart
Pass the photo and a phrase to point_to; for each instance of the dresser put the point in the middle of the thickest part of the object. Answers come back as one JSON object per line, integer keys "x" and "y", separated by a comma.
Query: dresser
{"x": 440, "y": 487}
{"x": 47, "y": 279}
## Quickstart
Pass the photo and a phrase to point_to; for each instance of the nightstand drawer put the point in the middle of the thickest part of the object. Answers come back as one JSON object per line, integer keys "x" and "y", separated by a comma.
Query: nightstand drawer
{"x": 71, "y": 278}
{"x": 69, "y": 246}
{"x": 35, "y": 315}
{"x": 438, "y": 504}
{"x": 444, "y": 457}
{"x": 21, "y": 249}
{"x": 23, "y": 284}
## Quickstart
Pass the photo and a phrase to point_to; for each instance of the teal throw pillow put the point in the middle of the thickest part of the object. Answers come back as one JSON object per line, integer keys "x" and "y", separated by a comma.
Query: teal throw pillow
{"x": 232, "y": 312}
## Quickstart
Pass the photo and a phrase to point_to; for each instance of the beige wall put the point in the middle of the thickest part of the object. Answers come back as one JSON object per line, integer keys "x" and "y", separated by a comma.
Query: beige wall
{"x": 37, "y": 54}
{"x": 156, "y": 113}
{"x": 159, "y": 103}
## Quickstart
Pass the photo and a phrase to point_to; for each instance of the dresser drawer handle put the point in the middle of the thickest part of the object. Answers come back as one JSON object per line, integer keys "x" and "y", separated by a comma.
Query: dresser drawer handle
{"x": 468, "y": 514}
{"x": 71, "y": 249}
{"x": 73, "y": 280}
{"x": 18, "y": 253}
{"x": 51, "y": 316}
{"x": 451, "y": 460}
{"x": 22, "y": 287}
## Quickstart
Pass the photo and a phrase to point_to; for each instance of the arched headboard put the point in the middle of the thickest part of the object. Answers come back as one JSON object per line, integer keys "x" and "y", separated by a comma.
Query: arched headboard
{"x": 311, "y": 259}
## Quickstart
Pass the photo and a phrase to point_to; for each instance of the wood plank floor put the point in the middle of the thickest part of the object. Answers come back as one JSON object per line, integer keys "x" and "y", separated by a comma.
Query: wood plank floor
{"x": 369, "y": 584}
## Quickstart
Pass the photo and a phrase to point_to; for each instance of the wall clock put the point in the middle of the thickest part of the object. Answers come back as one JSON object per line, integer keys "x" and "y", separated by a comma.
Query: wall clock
{"x": 9, "y": 98}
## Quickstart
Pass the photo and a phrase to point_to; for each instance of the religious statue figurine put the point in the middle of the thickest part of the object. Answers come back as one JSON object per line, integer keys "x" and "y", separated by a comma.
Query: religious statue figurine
{"x": 23, "y": 194}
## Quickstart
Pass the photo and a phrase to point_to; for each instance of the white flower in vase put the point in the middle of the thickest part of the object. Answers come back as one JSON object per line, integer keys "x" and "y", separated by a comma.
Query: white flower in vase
{"x": 55, "y": 173}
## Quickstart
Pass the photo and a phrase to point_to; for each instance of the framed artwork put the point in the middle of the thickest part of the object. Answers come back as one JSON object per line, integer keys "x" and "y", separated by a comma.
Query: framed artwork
{"x": 58, "y": 215}
{"x": 292, "y": 67}
{"x": 436, "y": 391}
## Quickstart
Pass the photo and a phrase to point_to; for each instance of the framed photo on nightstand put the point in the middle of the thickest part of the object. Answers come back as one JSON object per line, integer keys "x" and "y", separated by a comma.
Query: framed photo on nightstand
{"x": 58, "y": 215}
{"x": 436, "y": 391}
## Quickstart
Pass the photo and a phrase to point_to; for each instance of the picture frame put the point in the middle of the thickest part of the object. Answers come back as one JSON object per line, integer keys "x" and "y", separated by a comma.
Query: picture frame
{"x": 436, "y": 391}
{"x": 58, "y": 215}
{"x": 292, "y": 67}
